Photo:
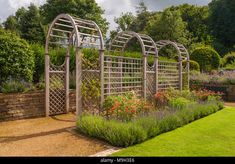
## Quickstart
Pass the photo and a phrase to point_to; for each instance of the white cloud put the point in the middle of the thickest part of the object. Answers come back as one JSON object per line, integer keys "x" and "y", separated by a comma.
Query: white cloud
{"x": 114, "y": 8}
{"x": 9, "y": 7}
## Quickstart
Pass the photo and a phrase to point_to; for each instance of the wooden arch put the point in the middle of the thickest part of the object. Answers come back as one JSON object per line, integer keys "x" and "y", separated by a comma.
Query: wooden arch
{"x": 64, "y": 32}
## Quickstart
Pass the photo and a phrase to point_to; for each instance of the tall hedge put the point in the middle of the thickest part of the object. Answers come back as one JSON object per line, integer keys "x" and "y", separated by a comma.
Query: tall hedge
{"x": 207, "y": 58}
{"x": 16, "y": 58}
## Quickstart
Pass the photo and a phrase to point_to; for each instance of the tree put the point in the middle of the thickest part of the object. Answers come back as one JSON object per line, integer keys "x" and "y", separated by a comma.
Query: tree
{"x": 222, "y": 21}
{"x": 30, "y": 25}
{"x": 168, "y": 25}
{"x": 196, "y": 18}
{"x": 27, "y": 23}
{"x": 85, "y": 9}
{"x": 142, "y": 18}
{"x": 11, "y": 24}
{"x": 124, "y": 21}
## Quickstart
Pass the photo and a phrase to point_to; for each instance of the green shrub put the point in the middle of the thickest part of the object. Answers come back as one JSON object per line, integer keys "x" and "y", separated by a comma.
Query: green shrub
{"x": 228, "y": 59}
{"x": 91, "y": 93}
{"x": 179, "y": 103}
{"x": 169, "y": 123}
{"x": 136, "y": 131}
{"x": 15, "y": 86}
{"x": 193, "y": 65}
{"x": 150, "y": 124}
{"x": 16, "y": 58}
{"x": 207, "y": 58}
{"x": 124, "y": 134}
{"x": 116, "y": 133}
{"x": 91, "y": 125}
{"x": 39, "y": 60}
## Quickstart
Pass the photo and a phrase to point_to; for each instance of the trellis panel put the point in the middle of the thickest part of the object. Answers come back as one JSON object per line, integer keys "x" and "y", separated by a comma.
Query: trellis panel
{"x": 122, "y": 74}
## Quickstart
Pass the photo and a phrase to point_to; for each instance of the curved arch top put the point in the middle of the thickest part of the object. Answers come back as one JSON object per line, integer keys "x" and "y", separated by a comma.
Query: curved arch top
{"x": 182, "y": 51}
{"x": 120, "y": 41}
{"x": 68, "y": 30}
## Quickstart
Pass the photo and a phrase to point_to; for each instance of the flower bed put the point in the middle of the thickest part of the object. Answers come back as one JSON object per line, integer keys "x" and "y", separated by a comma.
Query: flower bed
{"x": 172, "y": 109}
{"x": 218, "y": 81}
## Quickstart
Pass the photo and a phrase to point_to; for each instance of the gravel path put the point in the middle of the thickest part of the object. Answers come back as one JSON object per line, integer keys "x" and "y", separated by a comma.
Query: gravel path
{"x": 51, "y": 136}
{"x": 229, "y": 104}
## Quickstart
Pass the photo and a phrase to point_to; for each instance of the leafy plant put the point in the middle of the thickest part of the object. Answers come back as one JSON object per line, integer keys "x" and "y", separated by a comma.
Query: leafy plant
{"x": 16, "y": 58}
{"x": 193, "y": 65}
{"x": 207, "y": 58}
{"x": 179, "y": 103}
{"x": 144, "y": 127}
{"x": 15, "y": 86}
{"x": 116, "y": 133}
{"x": 125, "y": 107}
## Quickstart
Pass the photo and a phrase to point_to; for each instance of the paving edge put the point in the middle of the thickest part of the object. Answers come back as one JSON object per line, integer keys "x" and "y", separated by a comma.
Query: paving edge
{"x": 106, "y": 152}
{"x": 103, "y": 153}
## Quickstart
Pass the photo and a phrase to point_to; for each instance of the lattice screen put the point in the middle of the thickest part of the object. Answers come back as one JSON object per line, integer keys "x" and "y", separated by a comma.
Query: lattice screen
{"x": 57, "y": 92}
{"x": 168, "y": 75}
{"x": 91, "y": 101}
{"x": 122, "y": 74}
{"x": 151, "y": 81}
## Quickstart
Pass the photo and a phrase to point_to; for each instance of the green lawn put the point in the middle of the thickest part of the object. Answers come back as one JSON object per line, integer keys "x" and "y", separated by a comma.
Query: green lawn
{"x": 213, "y": 135}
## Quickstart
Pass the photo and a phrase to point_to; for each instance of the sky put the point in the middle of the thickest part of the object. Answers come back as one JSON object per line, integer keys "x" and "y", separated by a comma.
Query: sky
{"x": 113, "y": 8}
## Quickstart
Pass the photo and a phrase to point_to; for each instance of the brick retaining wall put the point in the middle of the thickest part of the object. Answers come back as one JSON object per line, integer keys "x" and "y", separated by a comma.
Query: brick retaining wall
{"x": 15, "y": 106}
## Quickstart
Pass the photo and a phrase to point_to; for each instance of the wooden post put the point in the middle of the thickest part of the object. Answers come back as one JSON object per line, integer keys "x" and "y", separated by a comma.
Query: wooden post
{"x": 102, "y": 76}
{"x": 144, "y": 76}
{"x": 67, "y": 81}
{"x": 188, "y": 70}
{"x": 78, "y": 81}
{"x": 47, "y": 87}
{"x": 156, "y": 74}
{"x": 180, "y": 73}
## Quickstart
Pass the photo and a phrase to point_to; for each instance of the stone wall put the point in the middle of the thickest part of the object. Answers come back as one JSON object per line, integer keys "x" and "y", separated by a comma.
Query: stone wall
{"x": 15, "y": 106}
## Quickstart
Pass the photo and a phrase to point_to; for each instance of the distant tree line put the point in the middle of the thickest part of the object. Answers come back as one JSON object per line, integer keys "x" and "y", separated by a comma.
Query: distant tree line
{"x": 193, "y": 26}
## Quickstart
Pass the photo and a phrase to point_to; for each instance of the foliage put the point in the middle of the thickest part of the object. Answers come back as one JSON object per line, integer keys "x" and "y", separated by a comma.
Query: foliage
{"x": 193, "y": 65}
{"x": 143, "y": 15}
{"x": 220, "y": 78}
{"x": 85, "y": 9}
{"x": 16, "y": 58}
{"x": 125, "y": 107}
{"x": 12, "y": 24}
{"x": 116, "y": 133}
{"x": 169, "y": 25}
{"x": 222, "y": 21}
{"x": 124, "y": 21}
{"x": 16, "y": 86}
{"x": 230, "y": 66}
{"x": 197, "y": 139}
{"x": 27, "y": 23}
{"x": 196, "y": 18}
{"x": 91, "y": 92}
{"x": 207, "y": 58}
{"x": 205, "y": 95}
{"x": 171, "y": 96}
{"x": 179, "y": 103}
{"x": 39, "y": 60}
{"x": 228, "y": 59}
{"x": 142, "y": 128}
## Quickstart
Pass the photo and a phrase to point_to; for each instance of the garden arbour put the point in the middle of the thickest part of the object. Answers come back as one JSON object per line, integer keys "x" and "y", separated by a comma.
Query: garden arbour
{"x": 117, "y": 74}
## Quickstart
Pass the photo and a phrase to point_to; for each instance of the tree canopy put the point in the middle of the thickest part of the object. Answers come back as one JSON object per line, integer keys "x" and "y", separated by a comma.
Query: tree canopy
{"x": 85, "y": 9}
{"x": 168, "y": 25}
{"x": 27, "y": 23}
{"x": 222, "y": 21}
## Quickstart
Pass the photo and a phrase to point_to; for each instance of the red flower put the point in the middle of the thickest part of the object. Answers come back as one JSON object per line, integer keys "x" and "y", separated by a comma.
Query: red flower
{"x": 133, "y": 111}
